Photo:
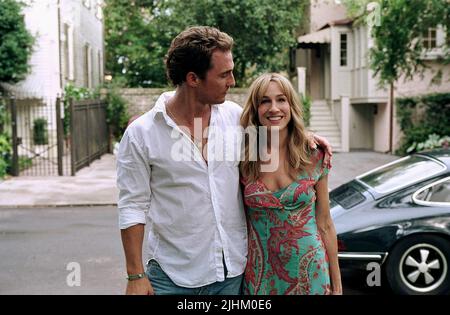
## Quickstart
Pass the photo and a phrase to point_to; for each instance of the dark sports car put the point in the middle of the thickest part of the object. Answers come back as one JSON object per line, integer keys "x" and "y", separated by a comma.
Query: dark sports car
{"x": 398, "y": 217}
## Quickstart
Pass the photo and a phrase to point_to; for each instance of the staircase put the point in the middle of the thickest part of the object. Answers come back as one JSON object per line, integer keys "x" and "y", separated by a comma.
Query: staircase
{"x": 324, "y": 124}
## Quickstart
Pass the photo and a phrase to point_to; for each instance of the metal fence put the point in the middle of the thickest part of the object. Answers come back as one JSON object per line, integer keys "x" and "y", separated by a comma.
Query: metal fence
{"x": 41, "y": 146}
{"x": 89, "y": 132}
{"x": 35, "y": 125}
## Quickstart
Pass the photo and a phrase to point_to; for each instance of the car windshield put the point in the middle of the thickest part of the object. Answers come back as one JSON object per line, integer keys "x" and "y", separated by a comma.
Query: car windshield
{"x": 401, "y": 173}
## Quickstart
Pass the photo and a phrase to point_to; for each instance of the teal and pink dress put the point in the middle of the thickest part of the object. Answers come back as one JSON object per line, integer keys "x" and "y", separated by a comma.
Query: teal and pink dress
{"x": 286, "y": 254}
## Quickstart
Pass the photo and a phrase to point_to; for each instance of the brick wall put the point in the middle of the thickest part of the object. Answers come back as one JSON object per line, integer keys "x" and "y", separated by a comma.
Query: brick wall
{"x": 142, "y": 100}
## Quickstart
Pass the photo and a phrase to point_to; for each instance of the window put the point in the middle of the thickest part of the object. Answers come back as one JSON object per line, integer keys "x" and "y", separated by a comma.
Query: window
{"x": 429, "y": 38}
{"x": 435, "y": 194}
{"x": 65, "y": 54}
{"x": 401, "y": 173}
{"x": 343, "y": 50}
{"x": 99, "y": 9}
{"x": 100, "y": 67}
{"x": 347, "y": 196}
{"x": 87, "y": 66}
{"x": 68, "y": 52}
{"x": 447, "y": 38}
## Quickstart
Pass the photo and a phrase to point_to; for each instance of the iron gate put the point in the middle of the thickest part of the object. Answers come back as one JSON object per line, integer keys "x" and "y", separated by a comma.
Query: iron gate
{"x": 37, "y": 139}
{"x": 89, "y": 132}
{"x": 41, "y": 146}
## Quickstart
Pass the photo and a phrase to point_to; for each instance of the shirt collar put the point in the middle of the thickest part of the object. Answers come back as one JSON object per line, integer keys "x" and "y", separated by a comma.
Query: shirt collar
{"x": 160, "y": 106}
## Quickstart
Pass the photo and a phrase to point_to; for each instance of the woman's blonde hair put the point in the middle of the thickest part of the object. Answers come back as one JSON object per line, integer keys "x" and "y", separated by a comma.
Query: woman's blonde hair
{"x": 298, "y": 150}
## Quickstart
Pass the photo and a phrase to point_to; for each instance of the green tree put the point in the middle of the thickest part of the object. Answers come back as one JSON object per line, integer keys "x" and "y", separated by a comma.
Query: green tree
{"x": 263, "y": 31}
{"x": 398, "y": 49}
{"x": 139, "y": 34}
{"x": 15, "y": 42}
{"x": 134, "y": 52}
{"x": 400, "y": 24}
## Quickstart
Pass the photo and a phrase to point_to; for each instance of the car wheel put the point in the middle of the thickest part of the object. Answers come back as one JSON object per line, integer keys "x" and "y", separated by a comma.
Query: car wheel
{"x": 419, "y": 265}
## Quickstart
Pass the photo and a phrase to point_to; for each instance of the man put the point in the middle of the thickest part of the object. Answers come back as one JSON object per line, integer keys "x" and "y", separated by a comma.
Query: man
{"x": 197, "y": 231}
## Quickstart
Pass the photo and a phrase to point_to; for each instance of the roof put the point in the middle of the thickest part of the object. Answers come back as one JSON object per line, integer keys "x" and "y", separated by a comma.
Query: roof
{"x": 342, "y": 22}
{"x": 319, "y": 37}
{"x": 19, "y": 91}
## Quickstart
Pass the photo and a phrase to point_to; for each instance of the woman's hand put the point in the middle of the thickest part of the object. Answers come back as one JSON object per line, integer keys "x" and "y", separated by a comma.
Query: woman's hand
{"x": 336, "y": 291}
{"x": 336, "y": 283}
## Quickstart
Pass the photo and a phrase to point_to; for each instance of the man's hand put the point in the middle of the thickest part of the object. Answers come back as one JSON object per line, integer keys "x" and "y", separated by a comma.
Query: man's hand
{"x": 139, "y": 287}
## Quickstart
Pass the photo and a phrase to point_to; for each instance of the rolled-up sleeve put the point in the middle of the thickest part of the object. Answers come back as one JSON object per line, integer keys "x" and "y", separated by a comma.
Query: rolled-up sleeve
{"x": 133, "y": 182}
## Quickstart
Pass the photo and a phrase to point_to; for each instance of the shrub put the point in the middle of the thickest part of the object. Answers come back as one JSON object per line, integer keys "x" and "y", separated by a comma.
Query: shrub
{"x": 40, "y": 132}
{"x": 5, "y": 155}
{"x": 5, "y": 140}
{"x": 117, "y": 117}
{"x": 433, "y": 142}
{"x": 306, "y": 103}
{"x": 73, "y": 93}
{"x": 420, "y": 118}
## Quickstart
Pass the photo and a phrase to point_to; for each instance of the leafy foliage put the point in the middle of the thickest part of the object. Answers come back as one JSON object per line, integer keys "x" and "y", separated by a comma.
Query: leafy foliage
{"x": 72, "y": 92}
{"x": 134, "y": 43}
{"x": 306, "y": 107}
{"x": 40, "y": 132}
{"x": 434, "y": 141}
{"x": 139, "y": 33}
{"x": 116, "y": 113}
{"x": 5, "y": 140}
{"x": 420, "y": 117}
{"x": 5, "y": 155}
{"x": 116, "y": 110}
{"x": 398, "y": 49}
{"x": 15, "y": 42}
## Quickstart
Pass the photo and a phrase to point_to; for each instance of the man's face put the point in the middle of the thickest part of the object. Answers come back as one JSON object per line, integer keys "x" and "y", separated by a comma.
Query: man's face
{"x": 218, "y": 80}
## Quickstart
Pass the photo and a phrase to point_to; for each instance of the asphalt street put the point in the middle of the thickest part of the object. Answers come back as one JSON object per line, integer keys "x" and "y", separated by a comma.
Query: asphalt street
{"x": 43, "y": 249}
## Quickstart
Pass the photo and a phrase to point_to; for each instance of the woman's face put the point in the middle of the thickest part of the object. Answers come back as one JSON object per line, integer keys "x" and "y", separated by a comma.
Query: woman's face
{"x": 274, "y": 109}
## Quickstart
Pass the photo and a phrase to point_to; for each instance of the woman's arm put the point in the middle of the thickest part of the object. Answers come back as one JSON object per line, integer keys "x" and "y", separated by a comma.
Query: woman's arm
{"x": 328, "y": 233}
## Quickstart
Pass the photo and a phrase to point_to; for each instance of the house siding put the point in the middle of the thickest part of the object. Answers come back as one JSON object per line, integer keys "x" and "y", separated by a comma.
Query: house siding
{"x": 44, "y": 61}
{"x": 369, "y": 110}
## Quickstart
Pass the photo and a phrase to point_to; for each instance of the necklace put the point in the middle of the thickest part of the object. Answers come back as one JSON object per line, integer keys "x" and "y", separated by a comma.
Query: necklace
{"x": 198, "y": 143}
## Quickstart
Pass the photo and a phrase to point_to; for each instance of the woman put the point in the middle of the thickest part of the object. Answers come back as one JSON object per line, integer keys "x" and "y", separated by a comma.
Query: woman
{"x": 292, "y": 240}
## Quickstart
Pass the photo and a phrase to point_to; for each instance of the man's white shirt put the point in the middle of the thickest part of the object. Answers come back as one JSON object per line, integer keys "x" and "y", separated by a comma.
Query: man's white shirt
{"x": 194, "y": 209}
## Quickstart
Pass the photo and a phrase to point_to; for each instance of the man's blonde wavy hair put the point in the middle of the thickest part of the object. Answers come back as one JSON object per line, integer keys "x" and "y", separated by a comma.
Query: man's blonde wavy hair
{"x": 298, "y": 149}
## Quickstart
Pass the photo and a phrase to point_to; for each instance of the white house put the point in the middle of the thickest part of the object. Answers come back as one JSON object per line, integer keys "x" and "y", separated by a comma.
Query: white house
{"x": 69, "y": 48}
{"x": 332, "y": 63}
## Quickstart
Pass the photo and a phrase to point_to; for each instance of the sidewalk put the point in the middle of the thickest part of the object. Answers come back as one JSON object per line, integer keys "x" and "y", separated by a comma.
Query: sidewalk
{"x": 93, "y": 185}
{"x": 96, "y": 185}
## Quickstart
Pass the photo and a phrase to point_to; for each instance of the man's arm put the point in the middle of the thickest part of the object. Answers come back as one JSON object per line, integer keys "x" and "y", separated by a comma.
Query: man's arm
{"x": 133, "y": 181}
{"x": 314, "y": 140}
{"x": 132, "y": 240}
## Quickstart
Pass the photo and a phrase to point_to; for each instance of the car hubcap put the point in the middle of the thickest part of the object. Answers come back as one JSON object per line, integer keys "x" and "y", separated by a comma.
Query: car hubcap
{"x": 423, "y": 268}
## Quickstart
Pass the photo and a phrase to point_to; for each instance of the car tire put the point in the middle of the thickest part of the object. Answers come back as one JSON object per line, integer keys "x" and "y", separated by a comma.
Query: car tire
{"x": 420, "y": 265}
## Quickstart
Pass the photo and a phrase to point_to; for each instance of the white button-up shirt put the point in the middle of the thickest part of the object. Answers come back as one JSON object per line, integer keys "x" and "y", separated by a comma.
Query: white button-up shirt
{"x": 195, "y": 211}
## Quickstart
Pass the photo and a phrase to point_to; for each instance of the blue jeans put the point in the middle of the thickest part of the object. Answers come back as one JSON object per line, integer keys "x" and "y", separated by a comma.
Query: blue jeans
{"x": 162, "y": 285}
